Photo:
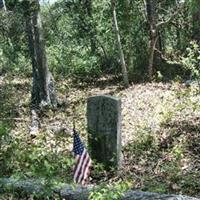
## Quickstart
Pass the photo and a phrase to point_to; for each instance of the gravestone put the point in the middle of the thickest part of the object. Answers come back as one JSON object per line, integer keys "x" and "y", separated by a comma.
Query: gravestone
{"x": 104, "y": 129}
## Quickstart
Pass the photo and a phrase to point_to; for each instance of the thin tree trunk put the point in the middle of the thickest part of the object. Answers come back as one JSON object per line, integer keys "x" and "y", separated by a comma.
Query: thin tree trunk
{"x": 90, "y": 28}
{"x": 178, "y": 38}
{"x": 124, "y": 69}
{"x": 150, "y": 7}
{"x": 86, "y": 18}
{"x": 196, "y": 20}
{"x": 151, "y": 58}
{"x": 128, "y": 29}
{"x": 88, "y": 5}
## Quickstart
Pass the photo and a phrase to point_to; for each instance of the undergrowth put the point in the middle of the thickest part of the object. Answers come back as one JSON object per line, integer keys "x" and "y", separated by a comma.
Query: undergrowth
{"x": 160, "y": 145}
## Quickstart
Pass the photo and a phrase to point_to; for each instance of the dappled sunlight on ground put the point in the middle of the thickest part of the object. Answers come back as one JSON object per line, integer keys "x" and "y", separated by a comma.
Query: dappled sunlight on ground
{"x": 160, "y": 134}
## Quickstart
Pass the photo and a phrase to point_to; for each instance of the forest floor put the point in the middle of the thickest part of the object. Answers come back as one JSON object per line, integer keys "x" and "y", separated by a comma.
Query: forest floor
{"x": 160, "y": 134}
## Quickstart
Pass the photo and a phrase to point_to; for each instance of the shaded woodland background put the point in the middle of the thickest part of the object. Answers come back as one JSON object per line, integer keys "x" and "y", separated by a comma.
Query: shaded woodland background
{"x": 81, "y": 42}
{"x": 54, "y": 56}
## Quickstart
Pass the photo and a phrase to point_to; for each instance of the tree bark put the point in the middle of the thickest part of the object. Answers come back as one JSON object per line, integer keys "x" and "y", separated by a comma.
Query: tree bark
{"x": 150, "y": 8}
{"x": 196, "y": 20}
{"x": 87, "y": 4}
{"x": 121, "y": 53}
{"x": 43, "y": 92}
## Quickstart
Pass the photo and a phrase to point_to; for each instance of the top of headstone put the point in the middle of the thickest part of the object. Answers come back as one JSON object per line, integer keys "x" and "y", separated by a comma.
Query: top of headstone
{"x": 105, "y": 96}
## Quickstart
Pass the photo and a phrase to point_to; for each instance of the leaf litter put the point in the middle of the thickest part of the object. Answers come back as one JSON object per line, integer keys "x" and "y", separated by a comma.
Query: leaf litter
{"x": 160, "y": 133}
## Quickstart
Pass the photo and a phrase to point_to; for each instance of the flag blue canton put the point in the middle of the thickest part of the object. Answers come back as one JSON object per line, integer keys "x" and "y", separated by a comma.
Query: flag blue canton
{"x": 78, "y": 146}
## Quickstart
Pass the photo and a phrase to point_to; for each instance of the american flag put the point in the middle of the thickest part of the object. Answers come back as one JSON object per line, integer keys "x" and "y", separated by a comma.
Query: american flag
{"x": 83, "y": 161}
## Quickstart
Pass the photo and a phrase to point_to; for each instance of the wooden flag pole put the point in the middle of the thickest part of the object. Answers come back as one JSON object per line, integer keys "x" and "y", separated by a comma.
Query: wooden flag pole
{"x": 74, "y": 113}
{"x": 74, "y": 125}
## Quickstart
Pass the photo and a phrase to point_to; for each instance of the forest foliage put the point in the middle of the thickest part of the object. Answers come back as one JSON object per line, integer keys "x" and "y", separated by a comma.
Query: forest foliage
{"x": 80, "y": 40}
{"x": 160, "y": 42}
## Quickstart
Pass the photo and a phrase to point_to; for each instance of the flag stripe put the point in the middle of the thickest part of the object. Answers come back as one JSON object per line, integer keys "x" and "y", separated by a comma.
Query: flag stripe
{"x": 79, "y": 170}
{"x": 85, "y": 164}
{"x": 83, "y": 161}
{"x": 78, "y": 167}
{"x": 86, "y": 168}
{"x": 76, "y": 172}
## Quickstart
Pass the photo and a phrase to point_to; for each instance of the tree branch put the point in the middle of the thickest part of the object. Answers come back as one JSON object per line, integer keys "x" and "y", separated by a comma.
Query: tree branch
{"x": 159, "y": 24}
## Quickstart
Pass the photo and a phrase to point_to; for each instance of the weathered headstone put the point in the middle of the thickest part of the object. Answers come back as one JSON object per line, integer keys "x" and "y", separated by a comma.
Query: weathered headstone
{"x": 104, "y": 128}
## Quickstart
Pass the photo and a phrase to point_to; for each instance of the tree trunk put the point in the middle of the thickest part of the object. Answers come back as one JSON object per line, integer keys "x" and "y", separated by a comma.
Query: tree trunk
{"x": 150, "y": 7}
{"x": 196, "y": 20}
{"x": 86, "y": 24}
{"x": 43, "y": 92}
{"x": 178, "y": 38}
{"x": 88, "y": 6}
{"x": 124, "y": 69}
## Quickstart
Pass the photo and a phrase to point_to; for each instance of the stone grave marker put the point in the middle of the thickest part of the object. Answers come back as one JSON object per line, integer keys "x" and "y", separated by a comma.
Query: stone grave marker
{"x": 104, "y": 129}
